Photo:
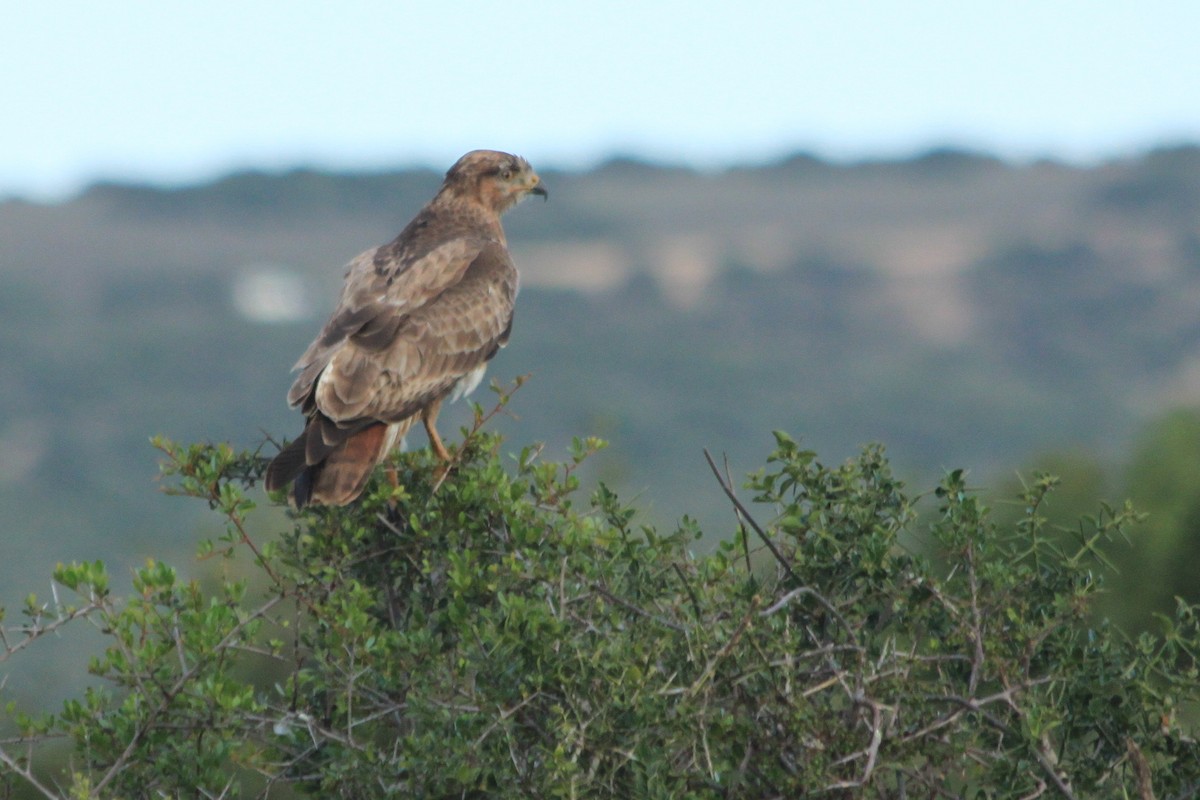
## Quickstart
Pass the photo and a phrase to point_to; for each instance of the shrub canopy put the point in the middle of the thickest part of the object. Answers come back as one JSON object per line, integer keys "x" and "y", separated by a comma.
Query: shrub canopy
{"x": 493, "y": 633}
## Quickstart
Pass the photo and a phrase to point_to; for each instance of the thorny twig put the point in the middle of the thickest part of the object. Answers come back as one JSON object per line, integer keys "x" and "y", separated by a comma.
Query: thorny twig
{"x": 27, "y": 774}
{"x": 804, "y": 590}
{"x": 871, "y": 751}
{"x": 628, "y": 606}
{"x": 36, "y": 631}
{"x": 737, "y": 504}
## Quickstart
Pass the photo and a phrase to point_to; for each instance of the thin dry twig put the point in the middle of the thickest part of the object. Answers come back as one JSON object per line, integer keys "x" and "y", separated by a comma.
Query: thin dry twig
{"x": 688, "y": 588}
{"x": 37, "y": 630}
{"x": 728, "y": 646}
{"x": 871, "y": 751}
{"x": 1141, "y": 769}
{"x": 504, "y": 715}
{"x": 979, "y": 657}
{"x": 738, "y": 515}
{"x": 628, "y": 606}
{"x": 737, "y": 504}
{"x": 27, "y": 774}
{"x": 804, "y": 590}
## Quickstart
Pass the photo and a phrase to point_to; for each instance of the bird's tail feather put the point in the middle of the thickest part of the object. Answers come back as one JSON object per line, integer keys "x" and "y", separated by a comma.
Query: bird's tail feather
{"x": 286, "y": 466}
{"x": 341, "y": 472}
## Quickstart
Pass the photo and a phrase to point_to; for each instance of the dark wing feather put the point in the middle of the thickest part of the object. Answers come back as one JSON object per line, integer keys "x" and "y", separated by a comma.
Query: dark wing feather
{"x": 290, "y": 462}
{"x": 376, "y": 300}
{"x": 447, "y": 338}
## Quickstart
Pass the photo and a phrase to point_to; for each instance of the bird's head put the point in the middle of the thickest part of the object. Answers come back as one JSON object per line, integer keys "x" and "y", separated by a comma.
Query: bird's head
{"x": 497, "y": 180}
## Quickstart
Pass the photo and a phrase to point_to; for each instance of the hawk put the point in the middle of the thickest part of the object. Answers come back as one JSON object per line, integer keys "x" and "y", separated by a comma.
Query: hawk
{"x": 417, "y": 322}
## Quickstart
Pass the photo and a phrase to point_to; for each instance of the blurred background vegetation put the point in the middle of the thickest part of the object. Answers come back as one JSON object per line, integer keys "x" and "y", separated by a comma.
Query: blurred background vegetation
{"x": 963, "y": 310}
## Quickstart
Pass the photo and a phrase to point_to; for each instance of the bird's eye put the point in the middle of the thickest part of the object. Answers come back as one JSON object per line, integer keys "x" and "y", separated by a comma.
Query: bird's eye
{"x": 506, "y": 173}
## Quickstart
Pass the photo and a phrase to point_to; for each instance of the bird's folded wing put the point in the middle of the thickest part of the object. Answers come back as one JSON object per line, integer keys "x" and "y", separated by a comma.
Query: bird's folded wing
{"x": 378, "y": 296}
{"x": 399, "y": 362}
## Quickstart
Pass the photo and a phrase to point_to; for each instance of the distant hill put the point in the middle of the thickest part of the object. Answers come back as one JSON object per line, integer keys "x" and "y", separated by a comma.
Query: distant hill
{"x": 965, "y": 311}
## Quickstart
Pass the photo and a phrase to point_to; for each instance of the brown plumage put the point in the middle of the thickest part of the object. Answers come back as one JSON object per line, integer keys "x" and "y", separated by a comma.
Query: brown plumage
{"x": 417, "y": 321}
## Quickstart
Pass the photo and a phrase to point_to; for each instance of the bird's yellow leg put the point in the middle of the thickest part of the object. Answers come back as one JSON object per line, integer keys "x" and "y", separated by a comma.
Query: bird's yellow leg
{"x": 429, "y": 417}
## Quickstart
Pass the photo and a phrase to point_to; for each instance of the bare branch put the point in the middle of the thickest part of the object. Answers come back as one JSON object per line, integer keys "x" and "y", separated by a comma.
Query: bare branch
{"x": 725, "y": 487}
{"x": 27, "y": 774}
{"x": 641, "y": 612}
{"x": 37, "y": 631}
{"x": 804, "y": 590}
{"x": 724, "y": 651}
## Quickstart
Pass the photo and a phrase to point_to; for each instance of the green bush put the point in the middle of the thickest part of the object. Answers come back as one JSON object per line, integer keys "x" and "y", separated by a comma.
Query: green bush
{"x": 492, "y": 633}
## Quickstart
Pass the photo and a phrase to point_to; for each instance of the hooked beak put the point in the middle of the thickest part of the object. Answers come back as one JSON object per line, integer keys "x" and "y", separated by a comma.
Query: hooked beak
{"x": 540, "y": 190}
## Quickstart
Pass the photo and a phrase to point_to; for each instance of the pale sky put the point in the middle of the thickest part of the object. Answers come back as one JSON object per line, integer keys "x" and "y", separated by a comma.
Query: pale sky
{"x": 171, "y": 92}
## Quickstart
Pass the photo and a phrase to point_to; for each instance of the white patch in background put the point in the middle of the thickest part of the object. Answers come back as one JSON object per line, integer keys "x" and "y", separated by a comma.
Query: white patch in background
{"x": 270, "y": 294}
{"x": 24, "y": 443}
{"x": 685, "y": 265}
{"x": 589, "y": 266}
